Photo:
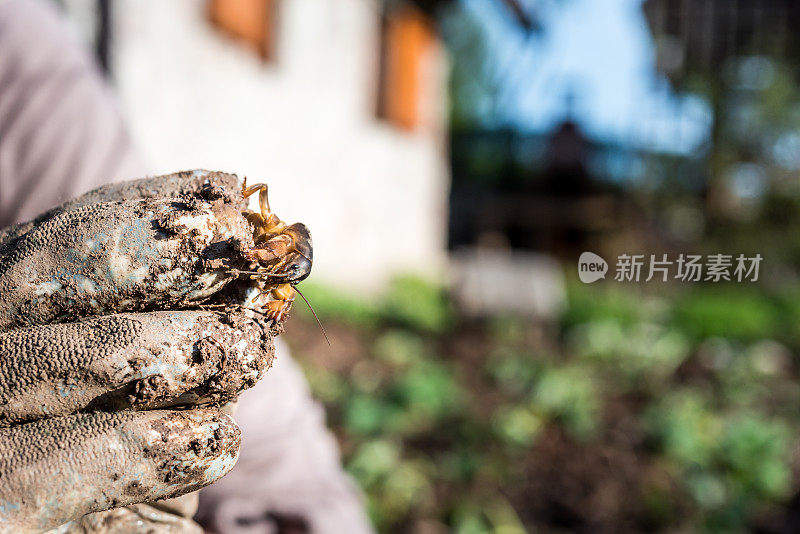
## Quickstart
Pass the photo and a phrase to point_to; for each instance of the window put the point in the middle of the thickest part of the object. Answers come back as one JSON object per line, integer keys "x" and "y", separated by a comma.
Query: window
{"x": 406, "y": 36}
{"x": 252, "y": 22}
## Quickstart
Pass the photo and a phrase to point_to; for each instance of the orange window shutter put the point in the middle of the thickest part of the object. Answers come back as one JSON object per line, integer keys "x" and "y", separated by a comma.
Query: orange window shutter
{"x": 408, "y": 36}
{"x": 250, "y": 21}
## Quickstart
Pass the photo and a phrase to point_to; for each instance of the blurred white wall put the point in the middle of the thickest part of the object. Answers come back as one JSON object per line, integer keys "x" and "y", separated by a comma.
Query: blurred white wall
{"x": 373, "y": 196}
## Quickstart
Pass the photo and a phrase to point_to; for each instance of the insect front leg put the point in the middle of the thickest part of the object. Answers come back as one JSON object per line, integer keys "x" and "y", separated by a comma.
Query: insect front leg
{"x": 283, "y": 295}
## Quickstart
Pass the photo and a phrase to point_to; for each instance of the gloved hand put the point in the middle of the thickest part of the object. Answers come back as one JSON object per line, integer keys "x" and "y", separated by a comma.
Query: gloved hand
{"x": 117, "y": 322}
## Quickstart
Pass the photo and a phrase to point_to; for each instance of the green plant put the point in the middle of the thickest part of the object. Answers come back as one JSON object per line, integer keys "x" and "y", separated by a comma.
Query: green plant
{"x": 333, "y": 304}
{"x": 444, "y": 438}
{"x": 568, "y": 395}
{"x": 731, "y": 463}
{"x": 732, "y": 312}
{"x": 417, "y": 303}
{"x": 589, "y": 303}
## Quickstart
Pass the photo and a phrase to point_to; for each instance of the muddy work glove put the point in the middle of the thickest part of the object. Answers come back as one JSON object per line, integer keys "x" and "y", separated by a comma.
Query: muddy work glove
{"x": 120, "y": 335}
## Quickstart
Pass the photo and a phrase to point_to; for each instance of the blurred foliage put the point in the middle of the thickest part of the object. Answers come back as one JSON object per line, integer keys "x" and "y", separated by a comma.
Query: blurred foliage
{"x": 473, "y": 84}
{"x": 636, "y": 412}
{"x": 740, "y": 193}
{"x": 733, "y": 313}
{"x": 409, "y": 301}
{"x": 329, "y": 303}
{"x": 414, "y": 302}
{"x": 453, "y": 425}
{"x": 729, "y": 462}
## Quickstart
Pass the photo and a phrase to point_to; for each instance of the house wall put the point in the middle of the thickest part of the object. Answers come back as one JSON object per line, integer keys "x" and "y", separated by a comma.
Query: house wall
{"x": 374, "y": 196}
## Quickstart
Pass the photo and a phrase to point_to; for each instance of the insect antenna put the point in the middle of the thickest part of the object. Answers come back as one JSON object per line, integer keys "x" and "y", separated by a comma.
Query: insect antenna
{"x": 315, "y": 315}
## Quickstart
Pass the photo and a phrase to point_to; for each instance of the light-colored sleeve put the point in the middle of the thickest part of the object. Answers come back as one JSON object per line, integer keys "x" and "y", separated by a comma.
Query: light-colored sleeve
{"x": 289, "y": 467}
{"x": 61, "y": 133}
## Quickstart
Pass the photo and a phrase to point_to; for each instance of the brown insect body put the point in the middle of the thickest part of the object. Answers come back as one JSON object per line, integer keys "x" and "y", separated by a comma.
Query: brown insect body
{"x": 282, "y": 255}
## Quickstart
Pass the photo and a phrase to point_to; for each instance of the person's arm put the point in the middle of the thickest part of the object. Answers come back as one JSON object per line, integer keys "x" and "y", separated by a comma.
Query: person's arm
{"x": 61, "y": 133}
{"x": 289, "y": 477}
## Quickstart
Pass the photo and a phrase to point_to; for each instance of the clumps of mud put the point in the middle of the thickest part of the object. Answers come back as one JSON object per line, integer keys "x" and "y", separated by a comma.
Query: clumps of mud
{"x": 177, "y": 185}
{"x": 170, "y": 452}
{"x": 129, "y": 255}
{"x": 82, "y": 294}
{"x": 91, "y": 359}
{"x": 132, "y": 361}
{"x": 83, "y": 289}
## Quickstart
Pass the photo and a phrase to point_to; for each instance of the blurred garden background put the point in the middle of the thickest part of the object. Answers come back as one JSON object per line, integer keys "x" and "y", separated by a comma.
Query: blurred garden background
{"x": 453, "y": 159}
{"x": 616, "y": 127}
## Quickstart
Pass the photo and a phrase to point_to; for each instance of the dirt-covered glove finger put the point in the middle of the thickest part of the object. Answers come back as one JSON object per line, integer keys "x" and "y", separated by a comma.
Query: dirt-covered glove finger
{"x": 124, "y": 256}
{"x": 136, "y": 360}
{"x": 134, "y": 519}
{"x": 57, "y": 470}
{"x": 171, "y": 185}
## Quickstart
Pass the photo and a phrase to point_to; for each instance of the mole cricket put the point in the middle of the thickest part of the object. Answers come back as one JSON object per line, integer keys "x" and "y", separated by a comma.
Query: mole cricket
{"x": 282, "y": 257}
